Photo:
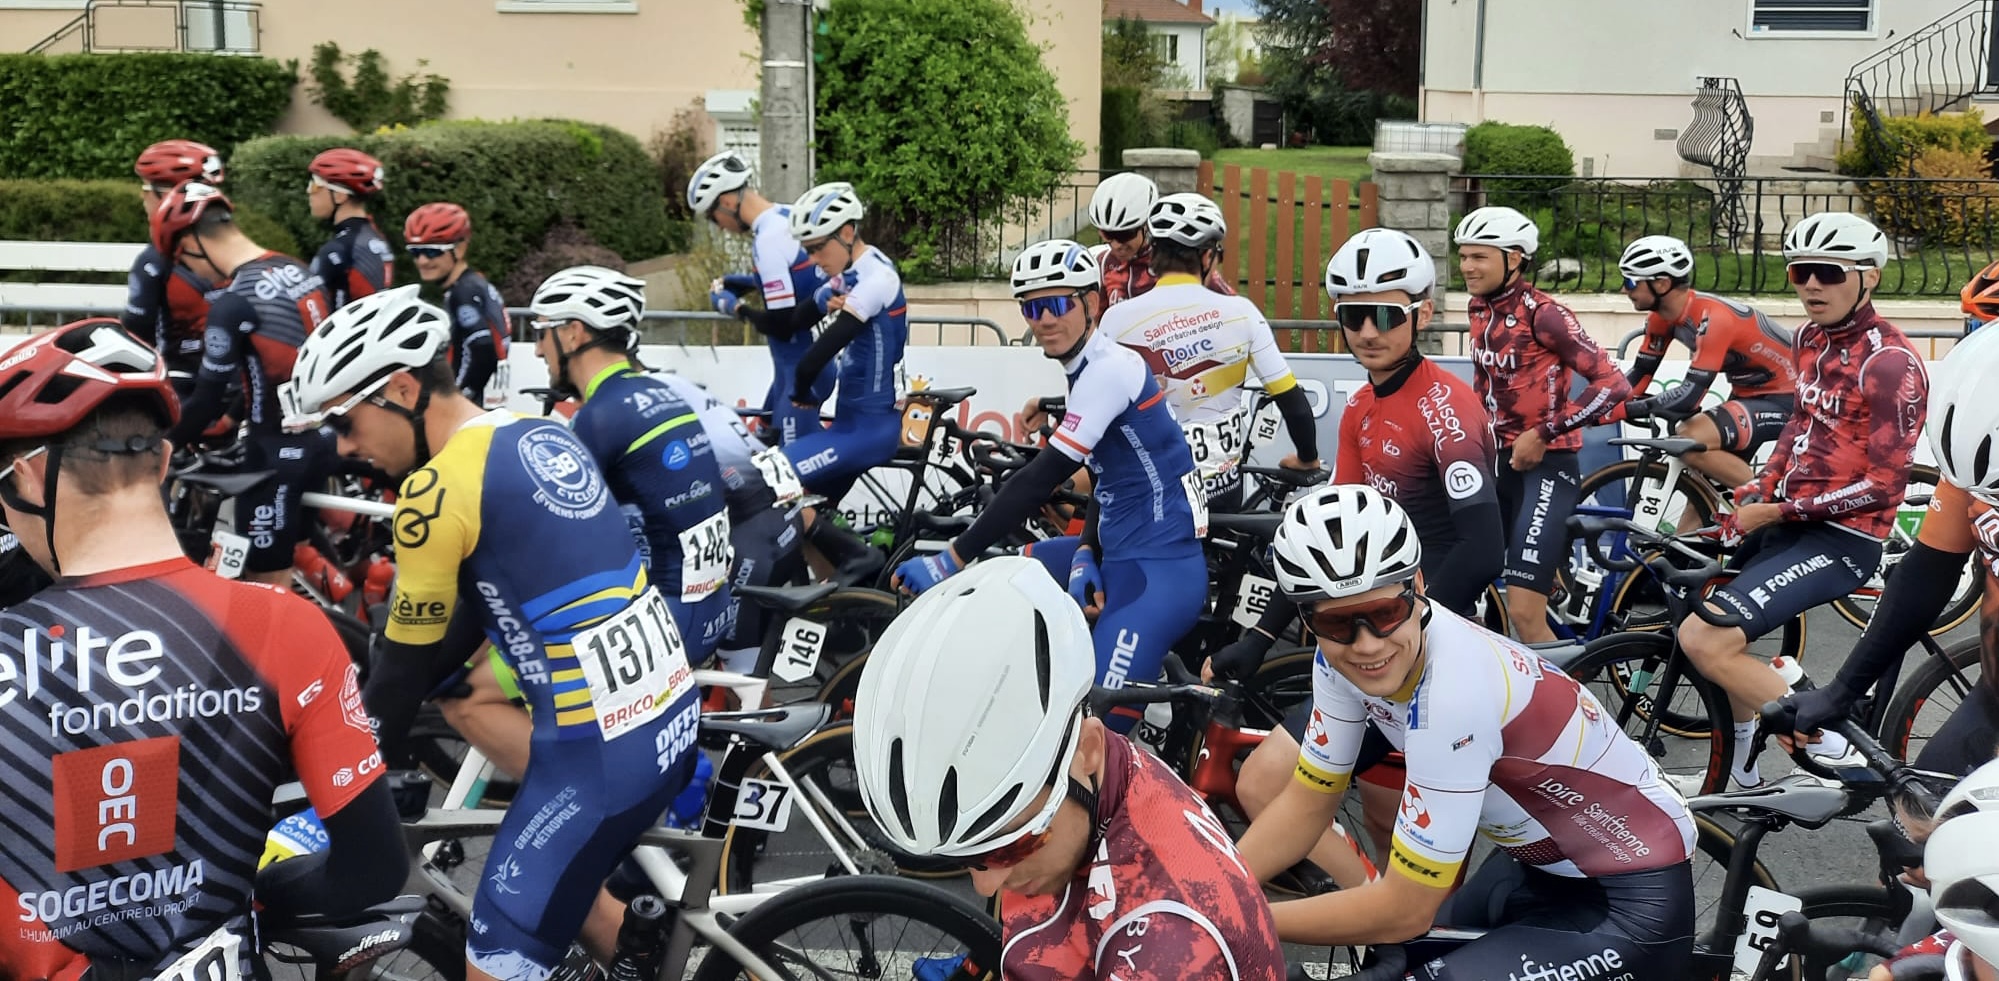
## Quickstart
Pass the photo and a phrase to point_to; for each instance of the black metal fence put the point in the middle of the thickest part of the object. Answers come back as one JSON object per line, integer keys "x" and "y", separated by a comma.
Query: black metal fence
{"x": 981, "y": 243}
{"x": 1940, "y": 231}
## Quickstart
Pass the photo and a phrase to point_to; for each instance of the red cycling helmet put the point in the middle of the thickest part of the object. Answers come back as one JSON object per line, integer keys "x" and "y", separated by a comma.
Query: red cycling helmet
{"x": 179, "y": 211}
{"x": 1980, "y": 297}
{"x": 348, "y": 169}
{"x": 437, "y": 223}
{"x": 51, "y": 382}
{"x": 169, "y": 163}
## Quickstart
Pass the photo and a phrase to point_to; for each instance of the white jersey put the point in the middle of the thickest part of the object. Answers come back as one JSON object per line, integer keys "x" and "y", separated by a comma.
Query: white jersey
{"x": 775, "y": 252}
{"x": 1498, "y": 741}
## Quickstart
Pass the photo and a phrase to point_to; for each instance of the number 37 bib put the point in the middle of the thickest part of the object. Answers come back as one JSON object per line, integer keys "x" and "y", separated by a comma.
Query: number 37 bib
{"x": 635, "y": 664}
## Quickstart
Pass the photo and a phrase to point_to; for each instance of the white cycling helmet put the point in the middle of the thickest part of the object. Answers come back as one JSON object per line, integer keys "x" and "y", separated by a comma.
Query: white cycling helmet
{"x": 1654, "y": 256}
{"x": 1056, "y": 262}
{"x": 358, "y": 345}
{"x": 1123, "y": 202}
{"x": 718, "y": 175}
{"x": 1378, "y": 259}
{"x": 1501, "y": 228}
{"x": 824, "y": 210}
{"x": 970, "y": 706}
{"x": 1343, "y": 540}
{"x": 603, "y": 299}
{"x": 1837, "y": 235}
{"x": 1963, "y": 429}
{"x": 1977, "y": 792}
{"x": 1188, "y": 219}
{"x": 1963, "y": 869}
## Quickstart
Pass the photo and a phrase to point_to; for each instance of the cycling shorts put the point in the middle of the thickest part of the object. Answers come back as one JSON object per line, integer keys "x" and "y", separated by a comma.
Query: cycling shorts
{"x": 1967, "y": 739}
{"x": 1746, "y": 424}
{"x": 581, "y": 806}
{"x": 703, "y": 624}
{"x": 270, "y": 514}
{"x": 1638, "y": 925}
{"x": 1538, "y": 504}
{"x": 767, "y": 552}
{"x": 1149, "y": 604}
{"x": 1789, "y": 568}
{"x": 790, "y": 420}
{"x": 830, "y": 460}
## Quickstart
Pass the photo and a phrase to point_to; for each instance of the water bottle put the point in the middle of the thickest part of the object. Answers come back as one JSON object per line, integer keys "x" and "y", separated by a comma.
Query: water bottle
{"x": 641, "y": 941}
{"x": 685, "y": 813}
{"x": 1792, "y": 672}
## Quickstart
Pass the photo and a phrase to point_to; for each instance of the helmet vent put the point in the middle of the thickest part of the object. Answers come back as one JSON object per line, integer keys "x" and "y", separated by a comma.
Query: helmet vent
{"x": 1945, "y": 445}
{"x": 1982, "y": 460}
{"x": 991, "y": 816}
{"x": 947, "y": 805}
{"x": 898, "y": 789}
{"x": 1043, "y": 659}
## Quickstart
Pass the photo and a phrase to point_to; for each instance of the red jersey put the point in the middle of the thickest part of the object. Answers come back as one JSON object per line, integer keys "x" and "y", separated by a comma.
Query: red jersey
{"x": 1524, "y": 346}
{"x": 355, "y": 262}
{"x": 1165, "y": 897}
{"x": 1845, "y": 454}
{"x": 150, "y": 712}
{"x": 1422, "y": 439}
{"x": 1124, "y": 279}
{"x": 1727, "y": 338}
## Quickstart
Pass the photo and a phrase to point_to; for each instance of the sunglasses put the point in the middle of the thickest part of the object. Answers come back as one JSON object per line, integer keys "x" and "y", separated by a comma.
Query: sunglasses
{"x": 1055, "y": 306}
{"x": 1119, "y": 237}
{"x": 335, "y": 416}
{"x": 814, "y": 248}
{"x": 1630, "y": 284}
{"x": 1384, "y": 616}
{"x": 430, "y": 251}
{"x": 540, "y": 327}
{"x": 1386, "y": 316}
{"x": 1827, "y": 273}
{"x": 8, "y": 470}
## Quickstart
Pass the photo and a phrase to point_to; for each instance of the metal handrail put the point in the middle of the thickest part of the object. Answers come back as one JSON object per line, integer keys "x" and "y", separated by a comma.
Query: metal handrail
{"x": 86, "y": 24}
{"x": 1719, "y": 138}
{"x": 1937, "y": 66}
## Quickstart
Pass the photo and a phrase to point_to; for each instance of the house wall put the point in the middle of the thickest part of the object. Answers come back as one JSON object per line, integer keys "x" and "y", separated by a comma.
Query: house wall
{"x": 1191, "y": 59}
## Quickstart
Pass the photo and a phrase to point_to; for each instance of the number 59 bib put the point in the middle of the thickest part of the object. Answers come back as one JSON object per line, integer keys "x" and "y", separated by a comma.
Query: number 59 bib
{"x": 635, "y": 664}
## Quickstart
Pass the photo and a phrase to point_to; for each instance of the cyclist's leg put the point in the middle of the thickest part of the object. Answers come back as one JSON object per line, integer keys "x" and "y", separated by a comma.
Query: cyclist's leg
{"x": 1638, "y": 926}
{"x": 828, "y": 462}
{"x": 1969, "y": 738}
{"x": 270, "y": 514}
{"x": 1149, "y": 604}
{"x": 766, "y": 552}
{"x": 1539, "y": 504}
{"x": 488, "y": 717}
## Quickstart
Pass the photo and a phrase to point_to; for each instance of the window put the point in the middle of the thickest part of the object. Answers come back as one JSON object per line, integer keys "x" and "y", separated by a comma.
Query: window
{"x": 1167, "y": 45}
{"x": 1811, "y": 16}
{"x": 566, "y": 6}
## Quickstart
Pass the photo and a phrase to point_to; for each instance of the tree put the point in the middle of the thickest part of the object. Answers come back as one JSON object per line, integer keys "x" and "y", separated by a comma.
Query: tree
{"x": 1338, "y": 65}
{"x": 1131, "y": 58}
{"x": 1229, "y": 56}
{"x": 939, "y": 112}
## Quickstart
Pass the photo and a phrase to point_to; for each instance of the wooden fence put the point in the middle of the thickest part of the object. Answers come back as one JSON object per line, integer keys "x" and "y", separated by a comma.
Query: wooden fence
{"x": 1282, "y": 229}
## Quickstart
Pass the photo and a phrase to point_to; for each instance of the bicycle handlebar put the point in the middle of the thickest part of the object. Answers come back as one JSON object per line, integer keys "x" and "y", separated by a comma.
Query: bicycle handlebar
{"x": 1780, "y": 719}
{"x": 1686, "y": 567}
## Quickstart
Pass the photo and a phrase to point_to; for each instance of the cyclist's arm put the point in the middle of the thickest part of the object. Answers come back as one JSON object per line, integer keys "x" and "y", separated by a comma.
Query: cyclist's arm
{"x": 783, "y": 323}
{"x": 1897, "y": 393}
{"x": 477, "y": 356}
{"x": 365, "y": 862}
{"x": 433, "y": 538}
{"x": 1282, "y": 386}
{"x": 1683, "y": 399}
{"x": 1346, "y": 451}
{"x": 1643, "y": 368}
{"x": 367, "y": 272}
{"x": 145, "y": 313}
{"x": 1165, "y": 941}
{"x": 1914, "y": 596}
{"x": 840, "y": 330}
{"x": 1466, "y": 458}
{"x": 1286, "y": 831}
{"x": 1557, "y": 330}
{"x": 231, "y": 320}
{"x": 1105, "y": 388}
{"x": 626, "y": 445}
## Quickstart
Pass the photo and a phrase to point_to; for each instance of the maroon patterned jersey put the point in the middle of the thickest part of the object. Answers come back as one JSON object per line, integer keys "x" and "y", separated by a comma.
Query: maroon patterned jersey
{"x": 1423, "y": 439}
{"x": 1124, "y": 279}
{"x": 1165, "y": 898}
{"x": 1523, "y": 347}
{"x": 1845, "y": 454}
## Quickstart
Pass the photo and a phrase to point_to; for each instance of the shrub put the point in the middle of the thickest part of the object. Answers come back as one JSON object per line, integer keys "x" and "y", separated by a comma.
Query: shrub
{"x": 372, "y": 99}
{"x": 1503, "y": 148}
{"x": 102, "y": 211}
{"x": 1122, "y": 127}
{"x": 517, "y": 179}
{"x": 565, "y": 245}
{"x": 88, "y": 116}
{"x": 1192, "y": 134}
{"x": 1957, "y": 205}
{"x": 1903, "y": 139}
{"x": 939, "y": 112}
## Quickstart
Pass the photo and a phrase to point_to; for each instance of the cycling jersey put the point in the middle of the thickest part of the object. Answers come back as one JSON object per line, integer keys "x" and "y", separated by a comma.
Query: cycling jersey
{"x": 1727, "y": 338}
{"x": 1498, "y": 741}
{"x": 661, "y": 466}
{"x": 1202, "y": 346}
{"x": 735, "y": 449}
{"x": 1164, "y": 897}
{"x": 1844, "y": 457}
{"x": 152, "y": 710}
{"x": 561, "y": 592}
{"x": 1126, "y": 278}
{"x": 168, "y": 303}
{"x": 478, "y": 338}
{"x": 20, "y": 577}
{"x": 787, "y": 277}
{"x": 866, "y": 427}
{"x": 355, "y": 262}
{"x": 255, "y": 327}
{"x": 1960, "y": 523}
{"x": 1524, "y": 346}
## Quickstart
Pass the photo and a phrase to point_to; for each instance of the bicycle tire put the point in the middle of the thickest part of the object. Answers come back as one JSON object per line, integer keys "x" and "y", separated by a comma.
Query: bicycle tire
{"x": 1871, "y": 903}
{"x": 1604, "y": 662}
{"x": 1691, "y": 485}
{"x": 818, "y": 756}
{"x": 1963, "y": 602}
{"x": 1717, "y": 842}
{"x": 1934, "y": 674}
{"x": 855, "y": 618}
{"x": 762, "y": 929}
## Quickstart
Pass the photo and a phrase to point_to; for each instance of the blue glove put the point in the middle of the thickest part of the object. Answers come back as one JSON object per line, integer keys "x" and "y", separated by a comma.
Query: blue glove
{"x": 1086, "y": 577}
{"x": 823, "y": 295}
{"x": 919, "y": 574}
{"x": 724, "y": 302}
{"x": 741, "y": 283}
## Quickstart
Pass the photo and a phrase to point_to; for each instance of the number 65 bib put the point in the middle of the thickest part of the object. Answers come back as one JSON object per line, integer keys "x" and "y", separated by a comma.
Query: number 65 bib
{"x": 635, "y": 664}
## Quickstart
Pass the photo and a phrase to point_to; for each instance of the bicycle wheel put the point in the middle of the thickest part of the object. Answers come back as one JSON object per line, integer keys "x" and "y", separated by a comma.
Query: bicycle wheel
{"x": 1857, "y": 607}
{"x": 1608, "y": 668}
{"x": 1621, "y": 485}
{"x": 1870, "y": 909}
{"x": 1639, "y": 607}
{"x": 1931, "y": 695}
{"x": 851, "y": 620}
{"x": 435, "y": 953}
{"x": 863, "y": 927}
{"x": 823, "y": 768}
{"x": 1281, "y": 684}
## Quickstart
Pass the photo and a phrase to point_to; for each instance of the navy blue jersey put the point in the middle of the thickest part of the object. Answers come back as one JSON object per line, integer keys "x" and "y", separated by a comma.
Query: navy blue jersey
{"x": 255, "y": 327}
{"x": 478, "y": 338}
{"x": 868, "y": 364}
{"x": 1120, "y": 425}
{"x": 743, "y": 484}
{"x": 169, "y": 304}
{"x": 355, "y": 262}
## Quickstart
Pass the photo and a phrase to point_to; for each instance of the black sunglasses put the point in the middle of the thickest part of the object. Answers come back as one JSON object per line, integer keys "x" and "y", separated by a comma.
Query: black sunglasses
{"x": 430, "y": 251}
{"x": 1827, "y": 273}
{"x": 1120, "y": 237}
{"x": 1386, "y": 316}
{"x": 1382, "y": 617}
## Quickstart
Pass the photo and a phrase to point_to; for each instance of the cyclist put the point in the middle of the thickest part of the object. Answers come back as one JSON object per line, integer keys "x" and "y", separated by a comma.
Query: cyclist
{"x": 1138, "y": 561}
{"x": 863, "y": 333}
{"x": 255, "y": 326}
{"x": 355, "y": 261}
{"x": 973, "y": 739}
{"x": 437, "y": 236}
{"x": 1962, "y": 520}
{"x": 1201, "y": 346}
{"x": 167, "y": 303}
{"x": 1964, "y": 884}
{"x": 649, "y": 443}
{"x": 1828, "y": 495}
{"x": 1119, "y": 208}
{"x": 720, "y": 191}
{"x": 1419, "y": 435}
{"x": 1497, "y": 742}
{"x": 1726, "y": 338}
{"x": 143, "y": 760}
{"x": 20, "y": 577}
{"x": 558, "y": 588}
{"x": 1524, "y": 348}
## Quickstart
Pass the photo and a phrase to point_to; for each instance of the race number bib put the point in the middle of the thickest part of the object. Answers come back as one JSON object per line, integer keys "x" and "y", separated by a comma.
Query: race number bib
{"x": 1197, "y": 501}
{"x": 1217, "y": 446}
{"x": 219, "y": 958}
{"x": 798, "y": 652}
{"x": 704, "y": 558}
{"x": 1267, "y": 424}
{"x": 1252, "y": 599}
{"x": 230, "y": 552}
{"x": 779, "y": 474}
{"x": 635, "y": 664}
{"x": 1762, "y": 908}
{"x": 499, "y": 385}
{"x": 762, "y": 804}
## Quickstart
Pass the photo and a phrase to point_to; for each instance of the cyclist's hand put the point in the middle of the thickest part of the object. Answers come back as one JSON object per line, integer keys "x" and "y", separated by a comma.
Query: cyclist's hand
{"x": 1239, "y": 660}
{"x": 1748, "y": 493}
{"x": 1031, "y": 418}
{"x": 1637, "y": 409}
{"x": 823, "y": 297}
{"x": 1291, "y": 462}
{"x": 923, "y": 572}
{"x": 741, "y": 284}
{"x": 1814, "y": 709}
{"x": 1528, "y": 450}
{"x": 724, "y": 302}
{"x": 1750, "y": 517}
{"x": 1727, "y": 529}
{"x": 1086, "y": 579}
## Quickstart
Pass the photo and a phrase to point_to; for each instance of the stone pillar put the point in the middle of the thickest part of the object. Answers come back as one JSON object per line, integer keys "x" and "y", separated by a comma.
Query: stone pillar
{"x": 1414, "y": 191}
{"x": 1174, "y": 170}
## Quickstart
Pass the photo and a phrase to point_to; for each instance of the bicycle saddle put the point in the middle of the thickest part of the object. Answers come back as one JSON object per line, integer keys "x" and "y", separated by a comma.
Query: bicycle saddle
{"x": 1800, "y": 797}
{"x": 939, "y": 526}
{"x": 1262, "y": 527}
{"x": 787, "y": 599}
{"x": 772, "y": 729}
{"x": 345, "y": 942}
{"x": 943, "y": 397}
{"x": 227, "y": 484}
{"x": 1560, "y": 653}
{"x": 1669, "y": 445}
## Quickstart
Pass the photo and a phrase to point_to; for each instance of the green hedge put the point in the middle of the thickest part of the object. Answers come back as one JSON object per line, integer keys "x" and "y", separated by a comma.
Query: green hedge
{"x": 102, "y": 211}
{"x": 1503, "y": 148}
{"x": 517, "y": 179}
{"x": 88, "y": 116}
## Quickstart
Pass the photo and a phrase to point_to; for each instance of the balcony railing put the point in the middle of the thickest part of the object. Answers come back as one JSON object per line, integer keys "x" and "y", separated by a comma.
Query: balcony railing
{"x": 110, "y": 26}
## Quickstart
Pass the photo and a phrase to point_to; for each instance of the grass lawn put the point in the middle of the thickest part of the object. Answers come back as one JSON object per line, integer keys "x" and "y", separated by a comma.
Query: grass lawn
{"x": 1329, "y": 162}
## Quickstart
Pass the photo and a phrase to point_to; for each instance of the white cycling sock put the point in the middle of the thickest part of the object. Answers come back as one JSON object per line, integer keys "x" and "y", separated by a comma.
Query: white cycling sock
{"x": 1744, "y": 771}
{"x": 1831, "y": 745}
